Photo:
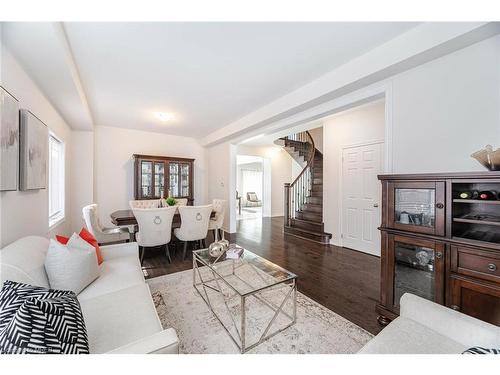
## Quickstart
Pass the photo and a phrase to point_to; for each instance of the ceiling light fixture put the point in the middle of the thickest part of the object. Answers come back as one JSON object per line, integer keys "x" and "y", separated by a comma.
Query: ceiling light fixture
{"x": 164, "y": 116}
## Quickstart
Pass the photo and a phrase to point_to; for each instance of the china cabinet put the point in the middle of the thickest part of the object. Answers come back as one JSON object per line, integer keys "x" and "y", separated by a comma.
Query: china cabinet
{"x": 441, "y": 241}
{"x": 163, "y": 176}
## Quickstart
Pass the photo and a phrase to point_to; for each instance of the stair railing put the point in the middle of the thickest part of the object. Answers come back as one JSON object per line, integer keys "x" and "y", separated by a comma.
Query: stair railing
{"x": 297, "y": 192}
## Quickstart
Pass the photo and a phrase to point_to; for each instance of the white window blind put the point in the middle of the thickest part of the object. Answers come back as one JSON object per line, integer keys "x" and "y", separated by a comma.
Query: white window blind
{"x": 56, "y": 180}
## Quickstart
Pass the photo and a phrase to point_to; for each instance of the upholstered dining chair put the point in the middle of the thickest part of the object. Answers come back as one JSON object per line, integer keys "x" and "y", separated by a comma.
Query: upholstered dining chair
{"x": 194, "y": 224}
{"x": 144, "y": 203}
{"x": 181, "y": 201}
{"x": 215, "y": 223}
{"x": 102, "y": 235}
{"x": 155, "y": 228}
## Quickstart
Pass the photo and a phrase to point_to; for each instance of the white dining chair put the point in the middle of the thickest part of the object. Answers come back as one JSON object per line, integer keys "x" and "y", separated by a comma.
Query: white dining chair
{"x": 144, "y": 203}
{"x": 215, "y": 223}
{"x": 155, "y": 228}
{"x": 194, "y": 225}
{"x": 181, "y": 201}
{"x": 102, "y": 235}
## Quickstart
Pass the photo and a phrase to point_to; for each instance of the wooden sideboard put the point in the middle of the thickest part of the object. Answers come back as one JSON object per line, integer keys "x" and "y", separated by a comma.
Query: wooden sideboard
{"x": 440, "y": 246}
{"x": 163, "y": 176}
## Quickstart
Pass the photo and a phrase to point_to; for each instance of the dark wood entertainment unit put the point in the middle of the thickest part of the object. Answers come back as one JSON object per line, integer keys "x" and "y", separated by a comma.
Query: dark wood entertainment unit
{"x": 439, "y": 245}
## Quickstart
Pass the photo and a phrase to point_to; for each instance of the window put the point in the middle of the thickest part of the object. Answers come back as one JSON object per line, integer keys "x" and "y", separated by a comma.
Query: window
{"x": 56, "y": 180}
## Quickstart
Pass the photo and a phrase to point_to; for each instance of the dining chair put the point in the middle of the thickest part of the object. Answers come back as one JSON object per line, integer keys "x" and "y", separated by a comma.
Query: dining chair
{"x": 155, "y": 228}
{"x": 103, "y": 235}
{"x": 215, "y": 223}
{"x": 144, "y": 203}
{"x": 194, "y": 225}
{"x": 181, "y": 201}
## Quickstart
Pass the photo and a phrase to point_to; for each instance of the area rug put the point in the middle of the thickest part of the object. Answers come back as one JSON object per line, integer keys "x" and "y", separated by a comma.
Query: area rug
{"x": 318, "y": 330}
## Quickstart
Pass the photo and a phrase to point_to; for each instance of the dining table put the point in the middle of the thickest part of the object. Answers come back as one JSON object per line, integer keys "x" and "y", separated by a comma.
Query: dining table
{"x": 126, "y": 217}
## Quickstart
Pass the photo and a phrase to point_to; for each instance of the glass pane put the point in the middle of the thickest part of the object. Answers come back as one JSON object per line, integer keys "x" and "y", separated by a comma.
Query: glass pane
{"x": 159, "y": 180}
{"x": 146, "y": 178}
{"x": 247, "y": 274}
{"x": 414, "y": 271}
{"x": 174, "y": 180}
{"x": 415, "y": 207}
{"x": 184, "y": 180}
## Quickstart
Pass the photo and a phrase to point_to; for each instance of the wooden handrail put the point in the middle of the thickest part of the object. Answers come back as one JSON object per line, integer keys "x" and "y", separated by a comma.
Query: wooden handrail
{"x": 301, "y": 186}
{"x": 309, "y": 161}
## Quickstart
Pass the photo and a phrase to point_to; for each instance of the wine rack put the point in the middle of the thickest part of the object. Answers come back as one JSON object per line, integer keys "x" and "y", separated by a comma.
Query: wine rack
{"x": 476, "y": 219}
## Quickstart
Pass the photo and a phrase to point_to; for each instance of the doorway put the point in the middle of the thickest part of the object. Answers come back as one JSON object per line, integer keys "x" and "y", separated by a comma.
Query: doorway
{"x": 251, "y": 199}
{"x": 361, "y": 192}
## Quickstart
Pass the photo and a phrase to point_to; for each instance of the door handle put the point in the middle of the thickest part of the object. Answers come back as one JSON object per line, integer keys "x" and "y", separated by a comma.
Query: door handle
{"x": 375, "y": 205}
{"x": 439, "y": 255}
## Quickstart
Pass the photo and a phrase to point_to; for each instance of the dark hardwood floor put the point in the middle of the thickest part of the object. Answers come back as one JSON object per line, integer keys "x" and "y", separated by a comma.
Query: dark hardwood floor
{"x": 343, "y": 280}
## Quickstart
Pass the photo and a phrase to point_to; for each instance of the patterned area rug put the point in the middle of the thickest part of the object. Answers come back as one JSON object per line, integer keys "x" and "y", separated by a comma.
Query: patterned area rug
{"x": 318, "y": 330}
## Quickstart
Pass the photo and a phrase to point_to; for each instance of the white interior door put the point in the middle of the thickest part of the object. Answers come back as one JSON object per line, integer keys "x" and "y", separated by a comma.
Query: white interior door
{"x": 361, "y": 195}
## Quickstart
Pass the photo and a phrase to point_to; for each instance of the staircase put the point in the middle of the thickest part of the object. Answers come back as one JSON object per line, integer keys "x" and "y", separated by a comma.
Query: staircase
{"x": 304, "y": 196}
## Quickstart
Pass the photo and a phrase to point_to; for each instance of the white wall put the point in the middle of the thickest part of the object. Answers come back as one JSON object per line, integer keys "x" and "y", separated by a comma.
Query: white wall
{"x": 446, "y": 109}
{"x": 26, "y": 212}
{"x": 82, "y": 179}
{"x": 358, "y": 125}
{"x": 317, "y": 135}
{"x": 221, "y": 180}
{"x": 114, "y": 166}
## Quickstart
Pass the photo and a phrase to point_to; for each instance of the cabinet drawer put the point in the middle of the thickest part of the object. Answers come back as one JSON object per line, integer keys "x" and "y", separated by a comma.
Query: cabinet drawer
{"x": 476, "y": 263}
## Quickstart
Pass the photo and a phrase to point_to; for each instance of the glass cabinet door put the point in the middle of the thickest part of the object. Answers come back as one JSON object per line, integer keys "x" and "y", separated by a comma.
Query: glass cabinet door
{"x": 184, "y": 180}
{"x": 159, "y": 180}
{"x": 173, "y": 180}
{"x": 146, "y": 179}
{"x": 417, "y": 207}
{"x": 418, "y": 268}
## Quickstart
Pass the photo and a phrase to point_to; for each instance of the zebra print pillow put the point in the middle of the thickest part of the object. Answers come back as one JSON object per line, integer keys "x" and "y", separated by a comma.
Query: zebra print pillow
{"x": 39, "y": 320}
{"x": 480, "y": 350}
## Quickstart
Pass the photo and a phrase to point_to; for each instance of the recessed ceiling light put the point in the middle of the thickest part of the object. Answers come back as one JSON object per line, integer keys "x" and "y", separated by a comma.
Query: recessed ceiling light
{"x": 164, "y": 116}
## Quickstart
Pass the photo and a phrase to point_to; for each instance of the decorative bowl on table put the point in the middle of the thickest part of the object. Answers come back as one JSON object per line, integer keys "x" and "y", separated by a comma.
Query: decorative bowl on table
{"x": 488, "y": 158}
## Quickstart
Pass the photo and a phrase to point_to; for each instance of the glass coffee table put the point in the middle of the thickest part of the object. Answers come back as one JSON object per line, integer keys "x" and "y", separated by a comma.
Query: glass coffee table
{"x": 251, "y": 297}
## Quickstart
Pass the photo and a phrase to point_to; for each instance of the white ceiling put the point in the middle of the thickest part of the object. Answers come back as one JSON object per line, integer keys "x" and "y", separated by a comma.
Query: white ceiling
{"x": 207, "y": 74}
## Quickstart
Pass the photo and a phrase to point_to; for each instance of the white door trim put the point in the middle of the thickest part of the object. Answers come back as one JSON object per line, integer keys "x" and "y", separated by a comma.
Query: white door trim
{"x": 341, "y": 179}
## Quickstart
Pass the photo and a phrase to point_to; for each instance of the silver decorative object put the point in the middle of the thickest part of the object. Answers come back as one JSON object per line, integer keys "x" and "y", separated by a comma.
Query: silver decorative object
{"x": 423, "y": 257}
{"x": 216, "y": 249}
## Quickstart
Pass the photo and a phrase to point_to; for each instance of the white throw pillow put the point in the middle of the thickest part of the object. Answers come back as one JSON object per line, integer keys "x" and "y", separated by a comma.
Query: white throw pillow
{"x": 71, "y": 267}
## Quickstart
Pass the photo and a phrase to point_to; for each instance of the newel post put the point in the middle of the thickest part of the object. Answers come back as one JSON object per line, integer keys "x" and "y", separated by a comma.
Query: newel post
{"x": 286, "y": 205}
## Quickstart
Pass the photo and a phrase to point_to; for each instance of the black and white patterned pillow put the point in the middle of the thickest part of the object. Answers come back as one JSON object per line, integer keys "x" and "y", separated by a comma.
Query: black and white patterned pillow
{"x": 480, "y": 350}
{"x": 40, "y": 320}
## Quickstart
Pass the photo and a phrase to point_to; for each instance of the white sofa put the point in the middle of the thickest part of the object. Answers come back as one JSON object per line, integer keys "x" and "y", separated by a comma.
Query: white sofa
{"x": 117, "y": 307}
{"x": 425, "y": 327}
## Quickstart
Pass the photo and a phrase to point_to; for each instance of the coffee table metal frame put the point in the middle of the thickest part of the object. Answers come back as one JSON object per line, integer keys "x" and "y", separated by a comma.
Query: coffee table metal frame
{"x": 288, "y": 285}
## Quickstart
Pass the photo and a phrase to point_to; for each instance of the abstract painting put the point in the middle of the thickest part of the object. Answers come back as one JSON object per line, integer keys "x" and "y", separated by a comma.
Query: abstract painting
{"x": 34, "y": 149}
{"x": 9, "y": 141}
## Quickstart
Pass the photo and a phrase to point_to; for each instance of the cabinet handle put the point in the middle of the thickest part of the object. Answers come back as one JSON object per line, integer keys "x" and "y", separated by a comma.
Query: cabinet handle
{"x": 455, "y": 307}
{"x": 492, "y": 267}
{"x": 439, "y": 255}
{"x": 439, "y": 205}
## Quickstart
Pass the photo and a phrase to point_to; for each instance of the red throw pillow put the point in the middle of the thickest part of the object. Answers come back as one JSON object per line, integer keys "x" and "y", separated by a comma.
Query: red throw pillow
{"x": 62, "y": 240}
{"x": 87, "y": 236}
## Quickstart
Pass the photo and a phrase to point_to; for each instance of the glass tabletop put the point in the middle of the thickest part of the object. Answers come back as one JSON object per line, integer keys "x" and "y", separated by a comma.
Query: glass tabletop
{"x": 246, "y": 275}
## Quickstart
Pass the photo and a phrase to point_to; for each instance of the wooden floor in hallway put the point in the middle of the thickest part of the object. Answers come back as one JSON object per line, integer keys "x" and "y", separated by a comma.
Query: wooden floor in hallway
{"x": 343, "y": 280}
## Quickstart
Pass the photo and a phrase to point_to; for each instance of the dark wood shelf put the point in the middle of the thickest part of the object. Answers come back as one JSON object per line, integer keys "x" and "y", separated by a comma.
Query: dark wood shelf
{"x": 472, "y": 201}
{"x": 473, "y": 221}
